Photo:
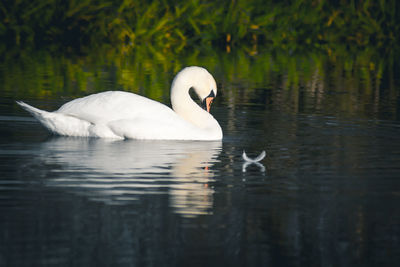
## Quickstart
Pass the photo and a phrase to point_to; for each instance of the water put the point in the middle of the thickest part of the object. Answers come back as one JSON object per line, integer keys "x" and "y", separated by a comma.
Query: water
{"x": 327, "y": 193}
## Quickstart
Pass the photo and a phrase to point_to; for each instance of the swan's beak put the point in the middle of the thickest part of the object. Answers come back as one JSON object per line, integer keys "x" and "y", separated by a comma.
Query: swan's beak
{"x": 208, "y": 101}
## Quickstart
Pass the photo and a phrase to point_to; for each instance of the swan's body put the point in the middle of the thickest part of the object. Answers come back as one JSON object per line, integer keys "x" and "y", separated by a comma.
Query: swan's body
{"x": 116, "y": 114}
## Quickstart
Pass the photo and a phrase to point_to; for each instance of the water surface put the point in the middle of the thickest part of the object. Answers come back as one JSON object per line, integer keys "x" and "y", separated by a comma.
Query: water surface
{"x": 326, "y": 194}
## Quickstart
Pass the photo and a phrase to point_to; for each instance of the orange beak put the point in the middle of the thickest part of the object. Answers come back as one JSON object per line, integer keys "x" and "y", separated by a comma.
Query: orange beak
{"x": 206, "y": 104}
{"x": 209, "y": 101}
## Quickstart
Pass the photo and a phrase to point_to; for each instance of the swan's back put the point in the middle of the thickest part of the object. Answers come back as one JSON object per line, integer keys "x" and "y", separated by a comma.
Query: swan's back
{"x": 112, "y": 106}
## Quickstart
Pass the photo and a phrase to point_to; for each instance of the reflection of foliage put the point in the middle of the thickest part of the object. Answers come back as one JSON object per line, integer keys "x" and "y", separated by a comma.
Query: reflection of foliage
{"x": 313, "y": 82}
{"x": 177, "y": 24}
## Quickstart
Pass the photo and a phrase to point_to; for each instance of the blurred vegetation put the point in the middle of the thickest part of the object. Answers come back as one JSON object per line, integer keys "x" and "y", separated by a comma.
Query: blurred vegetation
{"x": 307, "y": 56}
{"x": 365, "y": 84}
{"x": 173, "y": 25}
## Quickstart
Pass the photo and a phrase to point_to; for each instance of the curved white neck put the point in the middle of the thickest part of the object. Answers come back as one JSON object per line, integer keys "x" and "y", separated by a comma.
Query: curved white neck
{"x": 185, "y": 107}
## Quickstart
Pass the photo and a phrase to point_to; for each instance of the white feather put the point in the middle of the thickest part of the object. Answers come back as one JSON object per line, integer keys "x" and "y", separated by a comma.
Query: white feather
{"x": 257, "y": 159}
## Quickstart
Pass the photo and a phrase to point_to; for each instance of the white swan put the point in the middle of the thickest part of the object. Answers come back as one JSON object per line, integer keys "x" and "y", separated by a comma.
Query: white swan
{"x": 116, "y": 114}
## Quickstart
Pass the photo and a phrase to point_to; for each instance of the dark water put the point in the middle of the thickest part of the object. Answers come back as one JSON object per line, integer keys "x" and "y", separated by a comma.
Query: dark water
{"x": 327, "y": 193}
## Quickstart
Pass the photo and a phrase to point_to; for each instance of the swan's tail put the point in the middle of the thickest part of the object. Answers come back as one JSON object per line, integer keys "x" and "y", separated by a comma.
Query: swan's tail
{"x": 37, "y": 113}
{"x": 58, "y": 123}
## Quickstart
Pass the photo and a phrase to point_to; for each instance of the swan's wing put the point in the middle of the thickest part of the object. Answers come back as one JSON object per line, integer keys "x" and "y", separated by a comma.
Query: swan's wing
{"x": 105, "y": 107}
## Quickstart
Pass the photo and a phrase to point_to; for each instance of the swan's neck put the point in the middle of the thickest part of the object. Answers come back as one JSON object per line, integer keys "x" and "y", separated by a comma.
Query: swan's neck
{"x": 185, "y": 107}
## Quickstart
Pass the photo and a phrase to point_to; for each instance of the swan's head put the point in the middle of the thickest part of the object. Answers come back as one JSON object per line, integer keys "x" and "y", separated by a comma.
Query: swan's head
{"x": 201, "y": 81}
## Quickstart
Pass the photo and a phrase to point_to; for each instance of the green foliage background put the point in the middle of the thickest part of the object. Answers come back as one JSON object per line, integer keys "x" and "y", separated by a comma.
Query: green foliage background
{"x": 299, "y": 51}
{"x": 171, "y": 24}
{"x": 362, "y": 85}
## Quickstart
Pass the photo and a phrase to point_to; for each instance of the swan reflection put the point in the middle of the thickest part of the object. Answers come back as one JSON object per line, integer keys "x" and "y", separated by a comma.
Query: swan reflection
{"x": 116, "y": 171}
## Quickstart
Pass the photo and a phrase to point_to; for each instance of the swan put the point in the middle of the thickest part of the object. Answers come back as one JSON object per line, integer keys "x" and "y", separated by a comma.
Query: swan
{"x": 120, "y": 115}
